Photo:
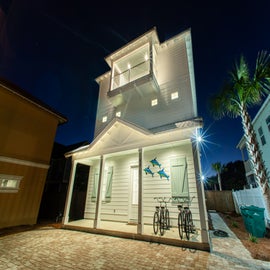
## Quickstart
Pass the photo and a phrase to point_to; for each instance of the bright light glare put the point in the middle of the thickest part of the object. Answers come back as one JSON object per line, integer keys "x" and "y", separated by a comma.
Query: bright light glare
{"x": 199, "y": 138}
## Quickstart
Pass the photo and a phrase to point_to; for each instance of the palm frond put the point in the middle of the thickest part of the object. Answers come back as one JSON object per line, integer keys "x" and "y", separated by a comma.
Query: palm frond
{"x": 262, "y": 72}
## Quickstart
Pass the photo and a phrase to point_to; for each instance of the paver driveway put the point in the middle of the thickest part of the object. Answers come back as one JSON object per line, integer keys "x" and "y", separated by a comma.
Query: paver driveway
{"x": 50, "y": 248}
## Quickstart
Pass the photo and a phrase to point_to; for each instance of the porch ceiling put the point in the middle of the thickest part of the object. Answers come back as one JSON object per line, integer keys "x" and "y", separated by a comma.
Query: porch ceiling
{"x": 121, "y": 136}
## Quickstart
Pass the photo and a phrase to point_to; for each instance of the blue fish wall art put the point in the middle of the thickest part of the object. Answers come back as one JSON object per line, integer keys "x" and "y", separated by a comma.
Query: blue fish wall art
{"x": 148, "y": 171}
{"x": 163, "y": 174}
{"x": 155, "y": 162}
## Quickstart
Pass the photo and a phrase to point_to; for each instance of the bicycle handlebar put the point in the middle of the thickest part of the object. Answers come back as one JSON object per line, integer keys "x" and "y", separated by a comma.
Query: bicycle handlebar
{"x": 183, "y": 199}
{"x": 163, "y": 199}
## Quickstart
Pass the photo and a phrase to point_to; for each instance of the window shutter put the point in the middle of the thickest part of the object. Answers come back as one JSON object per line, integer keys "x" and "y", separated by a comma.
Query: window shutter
{"x": 179, "y": 180}
{"x": 109, "y": 185}
{"x": 95, "y": 187}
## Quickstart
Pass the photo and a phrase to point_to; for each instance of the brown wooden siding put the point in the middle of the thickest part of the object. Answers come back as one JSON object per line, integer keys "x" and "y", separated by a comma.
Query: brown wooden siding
{"x": 22, "y": 208}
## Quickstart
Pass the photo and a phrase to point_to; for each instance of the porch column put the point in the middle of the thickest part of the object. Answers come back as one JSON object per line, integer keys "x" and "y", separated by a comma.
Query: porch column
{"x": 98, "y": 201}
{"x": 200, "y": 192}
{"x": 69, "y": 192}
{"x": 140, "y": 190}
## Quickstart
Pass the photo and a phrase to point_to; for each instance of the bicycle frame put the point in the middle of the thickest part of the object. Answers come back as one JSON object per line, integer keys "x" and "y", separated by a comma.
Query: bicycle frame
{"x": 161, "y": 219}
{"x": 185, "y": 222}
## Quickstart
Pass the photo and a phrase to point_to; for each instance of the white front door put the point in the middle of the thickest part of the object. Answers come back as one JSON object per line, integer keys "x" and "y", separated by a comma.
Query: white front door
{"x": 133, "y": 195}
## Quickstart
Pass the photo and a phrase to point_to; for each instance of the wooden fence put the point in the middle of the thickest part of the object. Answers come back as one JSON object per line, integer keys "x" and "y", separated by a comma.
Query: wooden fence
{"x": 221, "y": 201}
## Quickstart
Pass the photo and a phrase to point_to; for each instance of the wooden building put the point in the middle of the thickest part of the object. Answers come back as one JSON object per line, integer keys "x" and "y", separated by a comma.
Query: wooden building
{"x": 28, "y": 129}
{"x": 145, "y": 143}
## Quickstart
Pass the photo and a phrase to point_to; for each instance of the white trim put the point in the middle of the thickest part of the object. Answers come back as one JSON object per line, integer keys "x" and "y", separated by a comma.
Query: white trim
{"x": 23, "y": 162}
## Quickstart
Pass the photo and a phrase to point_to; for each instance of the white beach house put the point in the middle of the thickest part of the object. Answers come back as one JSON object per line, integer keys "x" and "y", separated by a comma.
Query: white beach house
{"x": 144, "y": 145}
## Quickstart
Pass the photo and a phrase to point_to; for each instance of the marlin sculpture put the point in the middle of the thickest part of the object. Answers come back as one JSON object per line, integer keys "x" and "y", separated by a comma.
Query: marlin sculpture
{"x": 148, "y": 171}
{"x": 163, "y": 174}
{"x": 155, "y": 162}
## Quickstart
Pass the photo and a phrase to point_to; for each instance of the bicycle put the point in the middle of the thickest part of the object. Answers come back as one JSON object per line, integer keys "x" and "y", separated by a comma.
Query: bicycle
{"x": 161, "y": 219}
{"x": 185, "y": 221}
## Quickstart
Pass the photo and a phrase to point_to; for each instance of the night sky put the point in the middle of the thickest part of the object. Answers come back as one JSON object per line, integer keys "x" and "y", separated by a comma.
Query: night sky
{"x": 55, "y": 49}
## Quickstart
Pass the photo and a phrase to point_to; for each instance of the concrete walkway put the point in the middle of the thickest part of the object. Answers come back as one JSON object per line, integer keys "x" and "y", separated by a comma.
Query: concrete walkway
{"x": 231, "y": 248}
{"x": 50, "y": 248}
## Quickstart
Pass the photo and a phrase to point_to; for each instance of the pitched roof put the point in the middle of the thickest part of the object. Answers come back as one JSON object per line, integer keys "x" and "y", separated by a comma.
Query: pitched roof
{"x": 11, "y": 87}
{"x": 120, "y": 135}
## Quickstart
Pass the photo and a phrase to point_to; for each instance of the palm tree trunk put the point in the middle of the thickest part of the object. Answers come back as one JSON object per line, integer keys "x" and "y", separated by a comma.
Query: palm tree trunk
{"x": 255, "y": 157}
{"x": 219, "y": 182}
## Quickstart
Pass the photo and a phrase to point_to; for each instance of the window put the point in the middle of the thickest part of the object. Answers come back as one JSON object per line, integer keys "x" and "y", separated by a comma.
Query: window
{"x": 268, "y": 122}
{"x": 104, "y": 119}
{"x": 106, "y": 187}
{"x": 179, "y": 180}
{"x": 118, "y": 114}
{"x": 9, "y": 183}
{"x": 174, "y": 95}
{"x": 154, "y": 102}
{"x": 261, "y": 136}
{"x": 95, "y": 187}
{"x": 135, "y": 184}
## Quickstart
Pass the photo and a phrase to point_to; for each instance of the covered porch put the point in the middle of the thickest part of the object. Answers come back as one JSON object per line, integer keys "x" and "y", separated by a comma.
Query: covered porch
{"x": 124, "y": 179}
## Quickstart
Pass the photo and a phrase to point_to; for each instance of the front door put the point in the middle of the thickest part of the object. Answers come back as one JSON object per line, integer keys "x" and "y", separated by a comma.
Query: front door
{"x": 133, "y": 187}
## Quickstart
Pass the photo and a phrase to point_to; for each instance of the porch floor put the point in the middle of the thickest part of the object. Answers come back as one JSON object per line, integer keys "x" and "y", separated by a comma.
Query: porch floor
{"x": 172, "y": 233}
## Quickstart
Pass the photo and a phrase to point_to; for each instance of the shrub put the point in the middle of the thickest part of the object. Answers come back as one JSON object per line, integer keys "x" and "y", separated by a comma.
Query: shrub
{"x": 252, "y": 238}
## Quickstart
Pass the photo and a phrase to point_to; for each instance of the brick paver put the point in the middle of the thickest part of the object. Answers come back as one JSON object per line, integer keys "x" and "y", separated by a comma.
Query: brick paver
{"x": 50, "y": 248}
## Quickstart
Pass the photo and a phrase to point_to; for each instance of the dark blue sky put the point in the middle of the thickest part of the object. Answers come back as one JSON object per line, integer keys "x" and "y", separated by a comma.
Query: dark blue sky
{"x": 56, "y": 49}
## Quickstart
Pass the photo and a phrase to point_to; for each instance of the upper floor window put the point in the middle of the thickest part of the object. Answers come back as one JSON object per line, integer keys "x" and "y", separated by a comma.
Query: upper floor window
{"x": 9, "y": 183}
{"x": 174, "y": 95}
{"x": 104, "y": 119}
{"x": 131, "y": 67}
{"x": 268, "y": 122}
{"x": 154, "y": 102}
{"x": 261, "y": 136}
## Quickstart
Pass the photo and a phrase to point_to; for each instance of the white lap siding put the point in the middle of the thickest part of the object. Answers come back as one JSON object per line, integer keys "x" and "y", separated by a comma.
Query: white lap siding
{"x": 118, "y": 206}
{"x": 157, "y": 187}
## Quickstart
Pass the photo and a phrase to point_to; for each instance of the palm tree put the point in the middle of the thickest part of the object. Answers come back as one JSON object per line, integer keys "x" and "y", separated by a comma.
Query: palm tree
{"x": 217, "y": 167}
{"x": 241, "y": 92}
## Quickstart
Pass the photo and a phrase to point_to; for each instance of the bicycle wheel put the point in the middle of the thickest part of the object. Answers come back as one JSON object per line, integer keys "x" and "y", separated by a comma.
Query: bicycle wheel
{"x": 155, "y": 222}
{"x": 188, "y": 224}
{"x": 167, "y": 219}
{"x": 180, "y": 225}
{"x": 161, "y": 222}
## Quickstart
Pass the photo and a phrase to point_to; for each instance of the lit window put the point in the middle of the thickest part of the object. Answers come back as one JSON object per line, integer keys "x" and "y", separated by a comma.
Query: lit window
{"x": 145, "y": 57}
{"x": 104, "y": 119}
{"x": 129, "y": 66}
{"x": 174, "y": 95}
{"x": 154, "y": 102}
{"x": 118, "y": 114}
{"x": 261, "y": 136}
{"x": 9, "y": 183}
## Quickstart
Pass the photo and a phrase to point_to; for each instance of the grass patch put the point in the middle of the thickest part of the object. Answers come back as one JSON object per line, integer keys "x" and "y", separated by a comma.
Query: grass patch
{"x": 235, "y": 224}
{"x": 253, "y": 238}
